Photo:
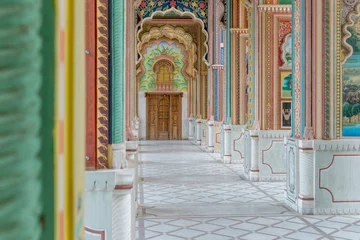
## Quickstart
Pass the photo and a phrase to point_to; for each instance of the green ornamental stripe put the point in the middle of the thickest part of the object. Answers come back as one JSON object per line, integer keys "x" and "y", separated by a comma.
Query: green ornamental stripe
{"x": 20, "y": 103}
{"x": 118, "y": 40}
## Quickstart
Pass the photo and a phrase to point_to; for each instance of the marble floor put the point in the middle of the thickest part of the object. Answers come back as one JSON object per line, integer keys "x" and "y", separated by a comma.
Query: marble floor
{"x": 186, "y": 193}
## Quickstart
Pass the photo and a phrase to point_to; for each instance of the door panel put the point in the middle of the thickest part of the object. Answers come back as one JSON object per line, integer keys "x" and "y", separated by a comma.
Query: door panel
{"x": 163, "y": 117}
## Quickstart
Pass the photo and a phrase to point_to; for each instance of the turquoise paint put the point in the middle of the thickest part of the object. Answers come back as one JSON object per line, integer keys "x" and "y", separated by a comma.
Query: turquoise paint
{"x": 285, "y": 2}
{"x": 118, "y": 71}
{"x": 20, "y": 118}
{"x": 47, "y": 93}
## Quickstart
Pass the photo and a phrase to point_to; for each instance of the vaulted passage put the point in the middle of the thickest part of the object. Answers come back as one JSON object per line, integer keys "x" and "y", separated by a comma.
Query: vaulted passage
{"x": 186, "y": 193}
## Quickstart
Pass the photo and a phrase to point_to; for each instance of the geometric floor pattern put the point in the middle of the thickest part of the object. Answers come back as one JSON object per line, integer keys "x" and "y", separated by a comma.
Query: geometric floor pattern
{"x": 185, "y": 193}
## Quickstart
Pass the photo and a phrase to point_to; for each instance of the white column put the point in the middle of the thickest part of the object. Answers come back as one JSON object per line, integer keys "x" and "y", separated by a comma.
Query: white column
{"x": 306, "y": 177}
{"x": 109, "y": 204}
{"x": 198, "y": 131}
{"x": 132, "y": 161}
{"x": 191, "y": 127}
{"x": 227, "y": 144}
{"x": 211, "y": 136}
{"x": 254, "y": 165}
{"x": 119, "y": 156}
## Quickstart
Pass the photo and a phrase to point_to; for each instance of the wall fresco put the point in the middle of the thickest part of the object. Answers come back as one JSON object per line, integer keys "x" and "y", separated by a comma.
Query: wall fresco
{"x": 171, "y": 52}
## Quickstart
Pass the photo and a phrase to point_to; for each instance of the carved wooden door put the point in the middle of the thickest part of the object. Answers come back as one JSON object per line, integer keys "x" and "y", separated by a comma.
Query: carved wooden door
{"x": 151, "y": 117}
{"x": 175, "y": 117}
{"x": 163, "y": 117}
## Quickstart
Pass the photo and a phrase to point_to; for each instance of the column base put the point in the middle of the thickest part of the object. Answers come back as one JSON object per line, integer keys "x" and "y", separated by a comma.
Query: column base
{"x": 305, "y": 205}
{"x": 227, "y": 159}
{"x": 198, "y": 142}
{"x": 210, "y": 149}
{"x": 109, "y": 201}
{"x": 331, "y": 177}
{"x": 252, "y": 176}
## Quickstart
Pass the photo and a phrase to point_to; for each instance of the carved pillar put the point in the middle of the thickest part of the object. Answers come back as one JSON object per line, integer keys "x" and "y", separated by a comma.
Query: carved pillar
{"x": 211, "y": 136}
{"x": 227, "y": 144}
{"x": 254, "y": 165}
{"x": 306, "y": 177}
{"x": 198, "y": 131}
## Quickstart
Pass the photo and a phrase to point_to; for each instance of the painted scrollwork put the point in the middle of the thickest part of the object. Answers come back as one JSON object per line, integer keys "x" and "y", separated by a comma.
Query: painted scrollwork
{"x": 352, "y": 21}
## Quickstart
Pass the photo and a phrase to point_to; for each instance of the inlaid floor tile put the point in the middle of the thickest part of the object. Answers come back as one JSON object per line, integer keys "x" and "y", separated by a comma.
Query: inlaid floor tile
{"x": 186, "y": 193}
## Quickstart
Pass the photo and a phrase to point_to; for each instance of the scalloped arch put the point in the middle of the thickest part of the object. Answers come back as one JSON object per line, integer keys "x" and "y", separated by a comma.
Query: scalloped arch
{"x": 168, "y": 32}
{"x": 181, "y": 14}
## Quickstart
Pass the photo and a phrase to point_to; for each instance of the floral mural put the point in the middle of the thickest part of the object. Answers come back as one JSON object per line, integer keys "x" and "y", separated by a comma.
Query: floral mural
{"x": 198, "y": 7}
{"x": 170, "y": 51}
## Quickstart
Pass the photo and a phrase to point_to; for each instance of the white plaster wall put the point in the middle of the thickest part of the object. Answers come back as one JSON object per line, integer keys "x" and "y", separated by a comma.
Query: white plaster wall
{"x": 337, "y": 188}
{"x": 142, "y": 115}
{"x": 272, "y": 164}
{"x": 185, "y": 118}
{"x": 237, "y": 144}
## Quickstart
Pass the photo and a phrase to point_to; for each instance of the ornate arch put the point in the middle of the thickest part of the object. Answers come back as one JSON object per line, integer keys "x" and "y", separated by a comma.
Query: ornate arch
{"x": 140, "y": 66}
{"x": 181, "y": 15}
{"x": 166, "y": 32}
{"x": 164, "y": 61}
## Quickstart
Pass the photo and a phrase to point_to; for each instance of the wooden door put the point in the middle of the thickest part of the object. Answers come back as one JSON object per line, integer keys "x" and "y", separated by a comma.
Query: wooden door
{"x": 163, "y": 116}
{"x": 163, "y": 119}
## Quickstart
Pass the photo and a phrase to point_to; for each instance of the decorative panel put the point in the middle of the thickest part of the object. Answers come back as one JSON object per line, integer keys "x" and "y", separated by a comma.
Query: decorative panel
{"x": 298, "y": 39}
{"x": 173, "y": 54}
{"x": 102, "y": 84}
{"x": 91, "y": 84}
{"x": 339, "y": 178}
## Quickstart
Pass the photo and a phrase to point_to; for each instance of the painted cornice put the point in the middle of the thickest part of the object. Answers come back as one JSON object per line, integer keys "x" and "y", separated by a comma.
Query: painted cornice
{"x": 275, "y": 8}
{"x": 240, "y": 31}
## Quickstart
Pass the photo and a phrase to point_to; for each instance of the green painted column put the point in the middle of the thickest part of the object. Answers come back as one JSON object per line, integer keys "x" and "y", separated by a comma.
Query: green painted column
{"x": 20, "y": 119}
{"x": 118, "y": 67}
{"x": 228, "y": 60}
{"x": 47, "y": 93}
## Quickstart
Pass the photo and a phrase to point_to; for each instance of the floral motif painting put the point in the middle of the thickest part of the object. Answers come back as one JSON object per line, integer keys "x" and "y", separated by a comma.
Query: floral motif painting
{"x": 351, "y": 78}
{"x": 198, "y": 7}
{"x": 171, "y": 51}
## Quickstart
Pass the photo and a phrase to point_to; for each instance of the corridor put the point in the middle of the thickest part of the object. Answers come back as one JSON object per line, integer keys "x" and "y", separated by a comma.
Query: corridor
{"x": 186, "y": 193}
